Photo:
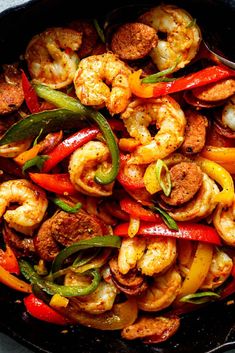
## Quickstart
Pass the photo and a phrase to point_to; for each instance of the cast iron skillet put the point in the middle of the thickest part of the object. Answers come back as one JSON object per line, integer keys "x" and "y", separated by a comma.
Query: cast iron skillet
{"x": 204, "y": 331}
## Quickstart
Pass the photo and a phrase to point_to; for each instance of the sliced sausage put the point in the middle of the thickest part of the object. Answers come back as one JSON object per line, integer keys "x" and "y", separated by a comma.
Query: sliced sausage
{"x": 186, "y": 179}
{"x": 133, "y": 41}
{"x": 133, "y": 283}
{"x": 69, "y": 228}
{"x": 11, "y": 91}
{"x": 195, "y": 133}
{"x": 46, "y": 246}
{"x": 21, "y": 245}
{"x": 216, "y": 91}
{"x": 154, "y": 329}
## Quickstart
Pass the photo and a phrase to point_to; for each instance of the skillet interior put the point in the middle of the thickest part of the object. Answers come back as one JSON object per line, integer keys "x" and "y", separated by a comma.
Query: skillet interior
{"x": 208, "y": 330}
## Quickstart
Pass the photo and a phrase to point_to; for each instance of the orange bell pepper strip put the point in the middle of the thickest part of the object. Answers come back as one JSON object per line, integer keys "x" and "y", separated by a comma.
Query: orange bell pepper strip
{"x": 58, "y": 183}
{"x": 201, "y": 78}
{"x": 221, "y": 176}
{"x": 25, "y": 156}
{"x": 225, "y": 156}
{"x": 13, "y": 282}
{"x": 8, "y": 261}
{"x": 198, "y": 270}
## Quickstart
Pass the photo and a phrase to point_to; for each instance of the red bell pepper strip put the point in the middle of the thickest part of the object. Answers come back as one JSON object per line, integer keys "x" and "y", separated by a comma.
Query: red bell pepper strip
{"x": 128, "y": 181}
{"x": 191, "y": 231}
{"x": 8, "y": 261}
{"x": 38, "y": 309}
{"x": 30, "y": 95}
{"x": 201, "y": 78}
{"x": 68, "y": 146}
{"x": 136, "y": 210}
{"x": 58, "y": 183}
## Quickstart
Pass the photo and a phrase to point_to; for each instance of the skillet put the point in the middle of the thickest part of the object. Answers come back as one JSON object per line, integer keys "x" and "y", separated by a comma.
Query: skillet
{"x": 211, "y": 329}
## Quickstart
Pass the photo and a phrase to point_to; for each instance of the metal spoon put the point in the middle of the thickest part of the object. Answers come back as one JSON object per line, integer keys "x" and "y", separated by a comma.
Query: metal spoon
{"x": 222, "y": 59}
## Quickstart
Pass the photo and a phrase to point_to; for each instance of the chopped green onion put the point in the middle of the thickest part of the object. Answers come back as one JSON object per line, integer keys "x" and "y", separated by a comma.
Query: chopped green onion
{"x": 167, "y": 219}
{"x": 37, "y": 161}
{"x": 65, "y": 207}
{"x": 99, "y": 30}
{"x": 199, "y": 298}
{"x": 36, "y": 139}
{"x": 160, "y": 76}
{"x": 163, "y": 177}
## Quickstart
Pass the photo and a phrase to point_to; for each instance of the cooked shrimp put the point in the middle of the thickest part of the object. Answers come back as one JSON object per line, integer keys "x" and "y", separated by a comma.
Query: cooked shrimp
{"x": 201, "y": 205}
{"x": 221, "y": 266}
{"x": 33, "y": 205}
{"x": 228, "y": 114}
{"x": 82, "y": 167}
{"x": 132, "y": 249}
{"x": 224, "y": 222}
{"x": 159, "y": 255}
{"x": 162, "y": 292}
{"x": 94, "y": 76}
{"x": 51, "y": 56}
{"x": 11, "y": 91}
{"x": 169, "y": 119}
{"x": 13, "y": 149}
{"x": 183, "y": 36}
{"x": 149, "y": 255}
{"x": 101, "y": 300}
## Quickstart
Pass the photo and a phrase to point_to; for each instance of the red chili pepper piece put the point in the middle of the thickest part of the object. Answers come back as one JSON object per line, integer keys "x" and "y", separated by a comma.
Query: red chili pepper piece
{"x": 191, "y": 231}
{"x": 30, "y": 95}
{"x": 8, "y": 261}
{"x": 58, "y": 183}
{"x": 200, "y": 78}
{"x": 135, "y": 209}
{"x": 38, "y": 309}
{"x": 68, "y": 146}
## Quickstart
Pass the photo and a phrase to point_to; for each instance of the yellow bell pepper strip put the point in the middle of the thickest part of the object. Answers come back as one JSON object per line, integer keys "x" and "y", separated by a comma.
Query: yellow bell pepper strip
{"x": 198, "y": 79}
{"x": 120, "y": 316}
{"x": 13, "y": 282}
{"x": 198, "y": 270}
{"x": 219, "y": 154}
{"x": 221, "y": 176}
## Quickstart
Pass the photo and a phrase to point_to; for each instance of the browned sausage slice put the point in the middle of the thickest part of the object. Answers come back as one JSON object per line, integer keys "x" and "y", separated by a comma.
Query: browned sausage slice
{"x": 195, "y": 133}
{"x": 89, "y": 36}
{"x": 21, "y": 245}
{"x": 186, "y": 179}
{"x": 216, "y": 91}
{"x": 11, "y": 91}
{"x": 69, "y": 228}
{"x": 154, "y": 329}
{"x": 45, "y": 245}
{"x": 133, "y": 41}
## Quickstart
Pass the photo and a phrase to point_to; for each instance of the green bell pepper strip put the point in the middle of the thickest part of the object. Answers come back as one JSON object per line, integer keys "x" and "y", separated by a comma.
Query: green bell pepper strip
{"x": 62, "y": 100}
{"x": 103, "y": 241}
{"x": 46, "y": 121}
{"x": 53, "y": 288}
{"x": 65, "y": 207}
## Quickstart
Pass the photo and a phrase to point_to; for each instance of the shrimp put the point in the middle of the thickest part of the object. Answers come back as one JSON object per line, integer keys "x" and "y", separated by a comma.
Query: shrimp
{"x": 183, "y": 36}
{"x": 228, "y": 114}
{"x": 150, "y": 255}
{"x": 33, "y": 204}
{"x": 94, "y": 76}
{"x": 159, "y": 255}
{"x": 220, "y": 269}
{"x": 224, "y": 223}
{"x": 162, "y": 292}
{"x": 201, "y": 205}
{"x": 11, "y": 91}
{"x": 82, "y": 167}
{"x": 170, "y": 121}
{"x": 101, "y": 300}
{"x": 51, "y": 56}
